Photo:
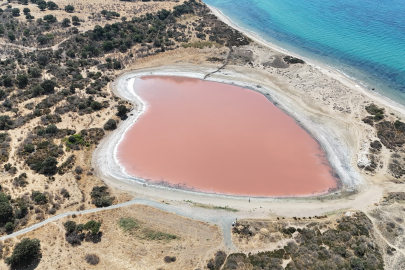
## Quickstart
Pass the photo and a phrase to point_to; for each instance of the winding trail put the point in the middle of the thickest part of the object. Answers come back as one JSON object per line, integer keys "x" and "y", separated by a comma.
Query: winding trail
{"x": 205, "y": 215}
{"x": 54, "y": 47}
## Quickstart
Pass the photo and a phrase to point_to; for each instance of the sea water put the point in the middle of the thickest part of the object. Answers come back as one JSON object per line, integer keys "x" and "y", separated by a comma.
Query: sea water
{"x": 364, "y": 39}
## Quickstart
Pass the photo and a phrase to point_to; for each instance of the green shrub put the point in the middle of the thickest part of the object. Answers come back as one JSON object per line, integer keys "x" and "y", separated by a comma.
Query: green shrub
{"x": 9, "y": 227}
{"x": 29, "y": 148}
{"x": 24, "y": 253}
{"x": 6, "y": 212}
{"x": 110, "y": 125}
{"x": 70, "y": 226}
{"x": 150, "y": 234}
{"x": 92, "y": 226}
{"x": 128, "y": 224}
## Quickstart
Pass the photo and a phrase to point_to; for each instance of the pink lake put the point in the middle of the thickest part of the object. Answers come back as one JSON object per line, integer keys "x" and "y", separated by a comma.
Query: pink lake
{"x": 214, "y": 137}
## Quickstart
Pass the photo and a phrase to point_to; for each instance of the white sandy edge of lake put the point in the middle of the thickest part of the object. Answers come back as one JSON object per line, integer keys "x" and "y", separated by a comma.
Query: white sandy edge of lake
{"x": 108, "y": 167}
{"x": 339, "y": 153}
{"x": 110, "y": 171}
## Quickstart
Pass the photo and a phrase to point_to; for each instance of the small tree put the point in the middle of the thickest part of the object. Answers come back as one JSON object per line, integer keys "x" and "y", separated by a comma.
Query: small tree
{"x": 42, "y": 6}
{"x": 9, "y": 227}
{"x": 48, "y": 86}
{"x": 15, "y": 12}
{"x": 75, "y": 20}
{"x": 110, "y": 125}
{"x": 70, "y": 226}
{"x": 66, "y": 22}
{"x": 22, "y": 80}
{"x": 26, "y": 11}
{"x": 24, "y": 253}
{"x": 11, "y": 36}
{"x": 51, "y": 5}
{"x": 49, "y": 166}
{"x": 6, "y": 212}
{"x": 5, "y": 122}
{"x": 96, "y": 105}
{"x": 122, "y": 110}
{"x": 26, "y": 32}
{"x": 69, "y": 8}
{"x": 34, "y": 72}
{"x": 50, "y": 18}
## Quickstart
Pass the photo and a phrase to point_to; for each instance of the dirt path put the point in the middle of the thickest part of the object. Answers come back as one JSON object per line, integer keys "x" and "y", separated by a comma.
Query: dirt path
{"x": 206, "y": 215}
{"x": 54, "y": 47}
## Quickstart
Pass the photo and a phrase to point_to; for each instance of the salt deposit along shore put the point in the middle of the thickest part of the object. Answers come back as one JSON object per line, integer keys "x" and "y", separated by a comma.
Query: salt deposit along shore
{"x": 327, "y": 104}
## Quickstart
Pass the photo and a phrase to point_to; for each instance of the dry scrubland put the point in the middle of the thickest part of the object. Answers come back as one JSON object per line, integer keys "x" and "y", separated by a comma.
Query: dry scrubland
{"x": 80, "y": 70}
{"x": 56, "y": 102}
{"x": 194, "y": 244}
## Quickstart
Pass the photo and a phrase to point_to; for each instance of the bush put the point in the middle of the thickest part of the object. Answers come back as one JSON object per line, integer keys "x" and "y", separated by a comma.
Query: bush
{"x": 92, "y": 226}
{"x": 79, "y": 227}
{"x": 110, "y": 125}
{"x": 40, "y": 198}
{"x": 103, "y": 201}
{"x": 9, "y": 227}
{"x": 49, "y": 166}
{"x": 128, "y": 224}
{"x": 24, "y": 253}
{"x": 356, "y": 264}
{"x": 122, "y": 110}
{"x": 48, "y": 86}
{"x": 15, "y": 12}
{"x": 96, "y": 105}
{"x": 5, "y": 122}
{"x": 37, "y": 90}
{"x": 78, "y": 170}
{"x": 29, "y": 148}
{"x": 74, "y": 238}
{"x": 7, "y": 166}
{"x": 66, "y": 22}
{"x": 169, "y": 259}
{"x": 156, "y": 235}
{"x": 6, "y": 212}
{"x": 92, "y": 259}
{"x": 70, "y": 226}
{"x": 69, "y": 8}
{"x": 22, "y": 80}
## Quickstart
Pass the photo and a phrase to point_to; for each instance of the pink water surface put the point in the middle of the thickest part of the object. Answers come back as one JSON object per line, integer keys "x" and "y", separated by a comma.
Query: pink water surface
{"x": 220, "y": 138}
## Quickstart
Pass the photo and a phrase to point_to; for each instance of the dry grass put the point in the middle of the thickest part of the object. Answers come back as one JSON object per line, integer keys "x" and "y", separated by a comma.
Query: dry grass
{"x": 122, "y": 250}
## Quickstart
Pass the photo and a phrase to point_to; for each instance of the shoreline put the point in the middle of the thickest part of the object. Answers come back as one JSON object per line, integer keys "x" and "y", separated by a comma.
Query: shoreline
{"x": 339, "y": 75}
{"x": 110, "y": 166}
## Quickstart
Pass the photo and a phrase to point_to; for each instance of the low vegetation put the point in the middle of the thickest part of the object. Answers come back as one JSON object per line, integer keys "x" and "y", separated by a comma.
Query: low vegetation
{"x": 210, "y": 206}
{"x": 101, "y": 197}
{"x": 218, "y": 260}
{"x": 347, "y": 246}
{"x": 76, "y": 233}
{"x": 128, "y": 224}
{"x": 92, "y": 259}
{"x": 135, "y": 228}
{"x": 24, "y": 253}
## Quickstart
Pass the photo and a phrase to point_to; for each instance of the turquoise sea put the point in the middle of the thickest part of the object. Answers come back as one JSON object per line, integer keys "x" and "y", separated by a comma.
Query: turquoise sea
{"x": 364, "y": 39}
